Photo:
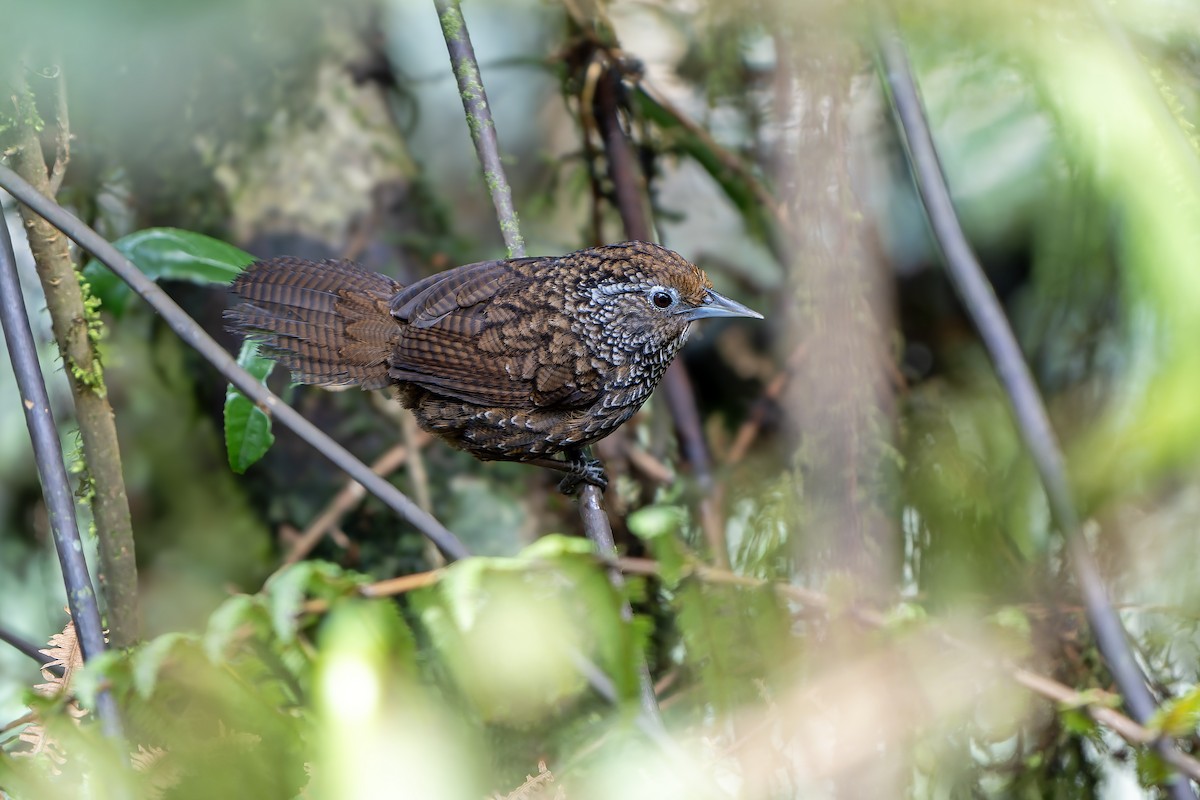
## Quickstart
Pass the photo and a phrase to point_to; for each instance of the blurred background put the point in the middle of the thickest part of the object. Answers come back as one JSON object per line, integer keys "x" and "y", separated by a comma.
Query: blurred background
{"x": 858, "y": 444}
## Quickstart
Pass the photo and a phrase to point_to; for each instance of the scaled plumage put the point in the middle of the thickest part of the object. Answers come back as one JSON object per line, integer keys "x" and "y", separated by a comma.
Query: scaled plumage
{"x": 514, "y": 360}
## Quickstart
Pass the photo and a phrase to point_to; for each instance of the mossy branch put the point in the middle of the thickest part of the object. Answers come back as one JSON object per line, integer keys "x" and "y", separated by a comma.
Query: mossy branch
{"x": 77, "y": 329}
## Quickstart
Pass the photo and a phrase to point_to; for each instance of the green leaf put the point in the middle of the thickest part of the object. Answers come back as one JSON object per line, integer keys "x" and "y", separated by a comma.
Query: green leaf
{"x": 170, "y": 254}
{"x": 148, "y": 659}
{"x": 248, "y": 433}
{"x": 658, "y": 527}
{"x": 1151, "y": 769}
{"x": 1178, "y": 716}
{"x": 287, "y": 591}
{"x": 226, "y": 623}
{"x": 1079, "y": 723}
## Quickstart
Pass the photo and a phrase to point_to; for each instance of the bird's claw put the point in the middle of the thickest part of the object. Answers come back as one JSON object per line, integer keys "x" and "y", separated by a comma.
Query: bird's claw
{"x": 583, "y": 470}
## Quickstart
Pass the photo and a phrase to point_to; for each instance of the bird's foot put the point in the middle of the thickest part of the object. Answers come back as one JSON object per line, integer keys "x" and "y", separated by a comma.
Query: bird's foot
{"x": 583, "y": 469}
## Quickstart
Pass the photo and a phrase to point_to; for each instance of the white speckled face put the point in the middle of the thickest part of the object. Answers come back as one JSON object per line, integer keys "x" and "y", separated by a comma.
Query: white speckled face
{"x": 648, "y": 311}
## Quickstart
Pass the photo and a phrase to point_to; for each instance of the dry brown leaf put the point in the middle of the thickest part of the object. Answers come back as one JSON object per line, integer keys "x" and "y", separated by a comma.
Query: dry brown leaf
{"x": 66, "y": 655}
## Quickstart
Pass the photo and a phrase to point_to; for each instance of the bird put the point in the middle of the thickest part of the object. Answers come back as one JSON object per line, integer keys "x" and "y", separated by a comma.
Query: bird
{"x": 527, "y": 359}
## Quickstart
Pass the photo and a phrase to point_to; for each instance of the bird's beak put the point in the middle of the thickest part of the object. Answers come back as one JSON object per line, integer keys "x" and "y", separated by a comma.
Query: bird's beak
{"x": 717, "y": 305}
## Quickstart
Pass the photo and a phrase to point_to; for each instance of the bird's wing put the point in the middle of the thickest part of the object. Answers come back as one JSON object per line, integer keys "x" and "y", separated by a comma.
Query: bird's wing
{"x": 478, "y": 333}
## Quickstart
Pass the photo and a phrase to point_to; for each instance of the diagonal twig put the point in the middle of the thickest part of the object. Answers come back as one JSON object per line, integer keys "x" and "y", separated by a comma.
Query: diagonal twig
{"x": 23, "y": 645}
{"x": 191, "y": 333}
{"x": 341, "y": 503}
{"x": 1033, "y": 421}
{"x": 56, "y": 487}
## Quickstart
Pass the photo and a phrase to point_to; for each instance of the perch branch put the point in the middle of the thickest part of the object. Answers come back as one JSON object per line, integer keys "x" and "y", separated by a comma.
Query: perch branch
{"x": 629, "y": 191}
{"x": 487, "y": 147}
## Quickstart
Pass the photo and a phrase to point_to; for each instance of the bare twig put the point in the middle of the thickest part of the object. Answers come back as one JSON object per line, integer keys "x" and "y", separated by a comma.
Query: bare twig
{"x": 194, "y": 335}
{"x": 342, "y": 502}
{"x": 75, "y": 332}
{"x": 23, "y": 645}
{"x": 62, "y": 134}
{"x": 418, "y": 476}
{"x": 479, "y": 121}
{"x": 629, "y": 188}
{"x": 487, "y": 147}
{"x": 749, "y": 430}
{"x": 56, "y": 487}
{"x": 648, "y": 465}
{"x": 1033, "y": 421}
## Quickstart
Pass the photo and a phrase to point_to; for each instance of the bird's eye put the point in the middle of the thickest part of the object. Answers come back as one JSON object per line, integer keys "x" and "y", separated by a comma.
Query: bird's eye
{"x": 662, "y": 299}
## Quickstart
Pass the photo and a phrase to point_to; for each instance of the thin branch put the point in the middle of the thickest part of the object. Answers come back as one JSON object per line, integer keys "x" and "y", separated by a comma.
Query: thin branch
{"x": 418, "y": 476}
{"x": 479, "y": 121}
{"x": 1033, "y": 421}
{"x": 487, "y": 147}
{"x": 194, "y": 335}
{"x": 629, "y": 187}
{"x": 23, "y": 645}
{"x": 753, "y": 423}
{"x": 62, "y": 134}
{"x": 56, "y": 487}
{"x": 75, "y": 332}
{"x": 340, "y": 505}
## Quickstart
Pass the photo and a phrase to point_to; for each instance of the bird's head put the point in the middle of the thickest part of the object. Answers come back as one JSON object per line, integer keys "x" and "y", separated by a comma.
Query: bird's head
{"x": 652, "y": 295}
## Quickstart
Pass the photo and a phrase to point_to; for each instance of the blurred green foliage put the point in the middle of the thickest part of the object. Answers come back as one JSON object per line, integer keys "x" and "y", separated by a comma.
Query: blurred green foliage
{"x": 1068, "y": 135}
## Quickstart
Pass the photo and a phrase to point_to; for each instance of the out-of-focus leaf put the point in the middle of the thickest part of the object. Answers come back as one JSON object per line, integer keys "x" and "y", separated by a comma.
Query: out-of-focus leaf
{"x": 107, "y": 670}
{"x": 659, "y": 527}
{"x": 1079, "y": 723}
{"x": 228, "y": 620}
{"x": 166, "y": 254}
{"x": 1179, "y": 716}
{"x": 148, "y": 659}
{"x": 248, "y": 433}
{"x": 1151, "y": 769}
{"x": 529, "y": 619}
{"x": 288, "y": 590}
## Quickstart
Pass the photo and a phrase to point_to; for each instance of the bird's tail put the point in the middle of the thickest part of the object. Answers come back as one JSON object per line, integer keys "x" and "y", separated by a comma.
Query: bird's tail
{"x": 329, "y": 322}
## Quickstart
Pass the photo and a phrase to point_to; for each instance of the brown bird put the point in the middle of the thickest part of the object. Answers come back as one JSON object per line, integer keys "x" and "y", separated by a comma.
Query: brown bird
{"x": 513, "y": 360}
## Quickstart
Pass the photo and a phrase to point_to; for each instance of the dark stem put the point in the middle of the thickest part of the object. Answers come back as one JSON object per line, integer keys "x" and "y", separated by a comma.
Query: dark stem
{"x": 629, "y": 187}
{"x": 23, "y": 645}
{"x": 56, "y": 487}
{"x": 194, "y": 336}
{"x": 1032, "y": 420}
